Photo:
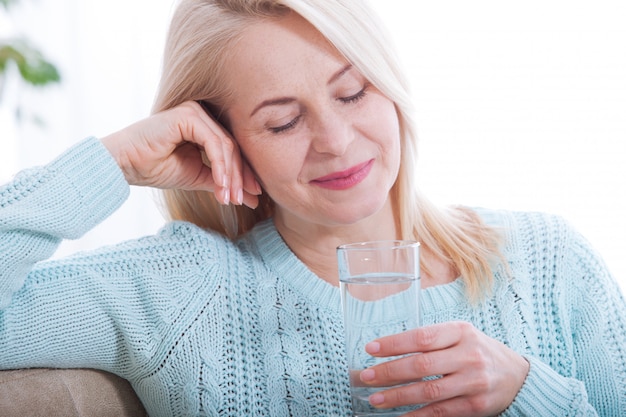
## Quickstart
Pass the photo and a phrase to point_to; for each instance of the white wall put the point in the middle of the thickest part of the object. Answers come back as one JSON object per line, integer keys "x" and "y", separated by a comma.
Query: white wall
{"x": 521, "y": 105}
{"x": 109, "y": 55}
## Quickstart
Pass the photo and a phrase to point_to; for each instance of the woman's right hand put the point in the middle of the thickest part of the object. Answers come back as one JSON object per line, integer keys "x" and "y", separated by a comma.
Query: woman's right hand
{"x": 166, "y": 151}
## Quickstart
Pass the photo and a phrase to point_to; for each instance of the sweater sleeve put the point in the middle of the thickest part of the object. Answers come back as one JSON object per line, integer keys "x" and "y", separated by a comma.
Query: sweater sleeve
{"x": 595, "y": 311}
{"x": 62, "y": 200}
{"x": 120, "y": 308}
{"x": 39, "y": 208}
{"x": 547, "y": 393}
{"x": 598, "y": 319}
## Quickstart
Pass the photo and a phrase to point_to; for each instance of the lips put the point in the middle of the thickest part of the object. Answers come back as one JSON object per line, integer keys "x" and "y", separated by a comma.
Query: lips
{"x": 348, "y": 178}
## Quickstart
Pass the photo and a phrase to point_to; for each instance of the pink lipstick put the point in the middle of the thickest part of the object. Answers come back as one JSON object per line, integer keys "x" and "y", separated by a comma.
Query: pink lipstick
{"x": 348, "y": 178}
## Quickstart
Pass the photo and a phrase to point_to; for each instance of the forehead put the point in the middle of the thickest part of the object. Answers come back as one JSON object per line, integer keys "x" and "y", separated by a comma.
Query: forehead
{"x": 275, "y": 51}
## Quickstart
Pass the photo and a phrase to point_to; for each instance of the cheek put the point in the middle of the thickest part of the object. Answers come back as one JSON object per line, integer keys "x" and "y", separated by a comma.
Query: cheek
{"x": 380, "y": 110}
{"x": 273, "y": 163}
{"x": 390, "y": 119}
{"x": 387, "y": 128}
{"x": 382, "y": 124}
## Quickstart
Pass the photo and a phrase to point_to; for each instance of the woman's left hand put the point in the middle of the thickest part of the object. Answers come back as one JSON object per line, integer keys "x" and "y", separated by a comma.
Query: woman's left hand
{"x": 480, "y": 375}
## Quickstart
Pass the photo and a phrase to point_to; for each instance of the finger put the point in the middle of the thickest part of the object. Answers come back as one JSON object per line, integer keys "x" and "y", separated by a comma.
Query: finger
{"x": 200, "y": 178}
{"x": 250, "y": 184}
{"x": 222, "y": 165}
{"x": 251, "y": 187}
{"x": 218, "y": 148}
{"x": 231, "y": 176}
{"x": 462, "y": 406}
{"x": 454, "y": 407}
{"x": 422, "y": 392}
{"x": 221, "y": 153}
{"x": 236, "y": 174}
{"x": 412, "y": 368}
{"x": 232, "y": 170}
{"x": 423, "y": 339}
{"x": 250, "y": 200}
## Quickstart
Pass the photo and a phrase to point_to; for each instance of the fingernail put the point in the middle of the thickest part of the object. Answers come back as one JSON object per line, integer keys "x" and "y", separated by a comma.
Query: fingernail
{"x": 224, "y": 181}
{"x": 239, "y": 197}
{"x": 372, "y": 347}
{"x": 367, "y": 375}
{"x": 226, "y": 196}
{"x": 376, "y": 399}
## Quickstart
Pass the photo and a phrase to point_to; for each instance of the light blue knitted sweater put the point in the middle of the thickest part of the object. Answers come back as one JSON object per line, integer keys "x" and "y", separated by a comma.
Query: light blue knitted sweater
{"x": 201, "y": 325}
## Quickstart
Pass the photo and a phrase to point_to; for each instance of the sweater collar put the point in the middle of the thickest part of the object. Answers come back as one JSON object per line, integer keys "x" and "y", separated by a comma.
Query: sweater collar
{"x": 294, "y": 273}
{"x": 290, "y": 270}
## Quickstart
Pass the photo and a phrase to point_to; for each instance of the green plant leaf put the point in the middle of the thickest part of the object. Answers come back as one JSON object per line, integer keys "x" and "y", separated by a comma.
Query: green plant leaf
{"x": 33, "y": 67}
{"x": 7, "y": 3}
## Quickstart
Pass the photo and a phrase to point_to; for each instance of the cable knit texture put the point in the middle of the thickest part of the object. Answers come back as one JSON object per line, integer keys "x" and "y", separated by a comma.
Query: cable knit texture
{"x": 202, "y": 326}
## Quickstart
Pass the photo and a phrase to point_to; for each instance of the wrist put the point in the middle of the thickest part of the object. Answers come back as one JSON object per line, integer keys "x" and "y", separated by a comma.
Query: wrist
{"x": 112, "y": 144}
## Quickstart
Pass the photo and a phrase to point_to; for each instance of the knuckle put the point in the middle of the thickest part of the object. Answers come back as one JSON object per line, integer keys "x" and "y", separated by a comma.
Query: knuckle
{"x": 385, "y": 372}
{"x": 394, "y": 346}
{"x": 482, "y": 383}
{"x": 432, "y": 390}
{"x": 390, "y": 345}
{"x": 428, "y": 336}
{"x": 228, "y": 144}
{"x": 466, "y": 328}
{"x": 423, "y": 364}
{"x": 478, "y": 357}
{"x": 438, "y": 410}
{"x": 217, "y": 161}
{"x": 401, "y": 396}
{"x": 188, "y": 109}
{"x": 478, "y": 404}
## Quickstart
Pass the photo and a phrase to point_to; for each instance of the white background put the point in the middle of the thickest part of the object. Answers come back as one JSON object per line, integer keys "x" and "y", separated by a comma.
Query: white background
{"x": 520, "y": 105}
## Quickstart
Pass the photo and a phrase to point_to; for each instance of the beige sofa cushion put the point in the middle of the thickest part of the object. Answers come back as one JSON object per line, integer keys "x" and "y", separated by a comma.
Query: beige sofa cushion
{"x": 67, "y": 393}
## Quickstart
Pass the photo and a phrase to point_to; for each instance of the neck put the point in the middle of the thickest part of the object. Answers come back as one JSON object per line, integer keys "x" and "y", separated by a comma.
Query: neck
{"x": 315, "y": 244}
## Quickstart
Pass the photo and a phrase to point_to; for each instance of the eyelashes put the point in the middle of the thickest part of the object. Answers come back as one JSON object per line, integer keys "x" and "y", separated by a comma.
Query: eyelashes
{"x": 346, "y": 100}
{"x": 356, "y": 97}
{"x": 287, "y": 126}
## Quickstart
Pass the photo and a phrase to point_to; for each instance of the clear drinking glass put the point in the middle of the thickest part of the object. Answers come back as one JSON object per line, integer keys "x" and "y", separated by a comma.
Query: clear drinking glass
{"x": 380, "y": 286}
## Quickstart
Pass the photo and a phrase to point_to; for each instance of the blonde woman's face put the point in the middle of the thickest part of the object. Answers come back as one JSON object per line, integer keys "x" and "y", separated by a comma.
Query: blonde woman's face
{"x": 324, "y": 142}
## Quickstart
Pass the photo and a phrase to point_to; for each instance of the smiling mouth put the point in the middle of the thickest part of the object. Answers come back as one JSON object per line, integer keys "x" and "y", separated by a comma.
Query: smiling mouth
{"x": 343, "y": 180}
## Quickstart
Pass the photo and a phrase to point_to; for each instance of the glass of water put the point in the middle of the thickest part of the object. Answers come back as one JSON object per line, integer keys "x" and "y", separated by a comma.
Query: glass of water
{"x": 380, "y": 286}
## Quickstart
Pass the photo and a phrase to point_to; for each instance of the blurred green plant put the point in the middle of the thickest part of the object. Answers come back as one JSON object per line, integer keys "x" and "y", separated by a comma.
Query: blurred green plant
{"x": 33, "y": 66}
{"x": 7, "y": 3}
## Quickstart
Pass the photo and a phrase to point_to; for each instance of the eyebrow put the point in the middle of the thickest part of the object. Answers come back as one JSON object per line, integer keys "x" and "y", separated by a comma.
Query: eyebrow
{"x": 286, "y": 100}
{"x": 273, "y": 102}
{"x": 339, "y": 74}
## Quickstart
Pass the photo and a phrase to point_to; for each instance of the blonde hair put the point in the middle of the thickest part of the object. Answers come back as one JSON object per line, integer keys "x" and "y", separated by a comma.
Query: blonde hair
{"x": 201, "y": 33}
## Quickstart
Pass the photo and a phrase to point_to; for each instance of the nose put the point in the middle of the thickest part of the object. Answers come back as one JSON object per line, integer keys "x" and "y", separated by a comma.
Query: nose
{"x": 332, "y": 133}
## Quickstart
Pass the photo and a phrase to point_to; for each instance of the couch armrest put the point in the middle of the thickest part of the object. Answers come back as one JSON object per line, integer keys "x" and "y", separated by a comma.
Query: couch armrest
{"x": 67, "y": 393}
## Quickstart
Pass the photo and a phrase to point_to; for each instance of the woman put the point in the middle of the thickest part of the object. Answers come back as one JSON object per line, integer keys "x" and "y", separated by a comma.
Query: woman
{"x": 281, "y": 130}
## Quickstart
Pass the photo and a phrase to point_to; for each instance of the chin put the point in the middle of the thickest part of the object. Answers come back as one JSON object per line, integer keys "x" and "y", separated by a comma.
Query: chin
{"x": 357, "y": 212}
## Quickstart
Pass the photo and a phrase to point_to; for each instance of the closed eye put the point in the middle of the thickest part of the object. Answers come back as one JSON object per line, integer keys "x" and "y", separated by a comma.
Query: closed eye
{"x": 285, "y": 127}
{"x": 356, "y": 97}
